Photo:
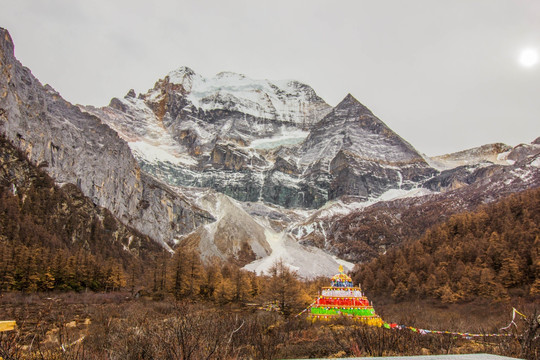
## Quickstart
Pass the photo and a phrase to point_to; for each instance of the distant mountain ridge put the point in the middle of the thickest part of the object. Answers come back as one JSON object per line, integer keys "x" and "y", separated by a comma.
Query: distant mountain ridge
{"x": 493, "y": 153}
{"x": 358, "y": 231}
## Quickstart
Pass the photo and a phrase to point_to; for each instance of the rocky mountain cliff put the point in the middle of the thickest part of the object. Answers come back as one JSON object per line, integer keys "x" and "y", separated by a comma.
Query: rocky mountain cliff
{"x": 78, "y": 148}
{"x": 360, "y": 155}
{"x": 260, "y": 140}
{"x": 61, "y": 217}
{"x": 358, "y": 231}
{"x": 254, "y": 235}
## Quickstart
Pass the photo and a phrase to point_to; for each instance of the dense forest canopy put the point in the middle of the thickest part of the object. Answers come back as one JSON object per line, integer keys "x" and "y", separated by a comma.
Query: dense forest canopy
{"x": 491, "y": 253}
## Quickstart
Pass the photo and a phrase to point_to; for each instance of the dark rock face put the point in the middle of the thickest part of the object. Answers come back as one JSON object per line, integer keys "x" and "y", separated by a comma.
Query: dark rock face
{"x": 458, "y": 177}
{"x": 76, "y": 147}
{"x": 363, "y": 156}
{"x": 243, "y": 186}
{"x": 228, "y": 157}
{"x": 285, "y": 166}
{"x": 361, "y": 235}
{"x": 523, "y": 151}
{"x": 361, "y": 178}
{"x": 348, "y": 152}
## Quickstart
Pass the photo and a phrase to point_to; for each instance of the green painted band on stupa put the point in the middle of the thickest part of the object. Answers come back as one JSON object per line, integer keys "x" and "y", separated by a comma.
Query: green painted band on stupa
{"x": 336, "y": 311}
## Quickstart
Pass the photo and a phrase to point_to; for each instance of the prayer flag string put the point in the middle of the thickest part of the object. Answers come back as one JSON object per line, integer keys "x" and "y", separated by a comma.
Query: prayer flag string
{"x": 426, "y": 331}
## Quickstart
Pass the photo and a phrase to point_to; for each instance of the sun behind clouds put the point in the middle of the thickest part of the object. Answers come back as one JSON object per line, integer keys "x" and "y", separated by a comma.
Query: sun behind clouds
{"x": 528, "y": 57}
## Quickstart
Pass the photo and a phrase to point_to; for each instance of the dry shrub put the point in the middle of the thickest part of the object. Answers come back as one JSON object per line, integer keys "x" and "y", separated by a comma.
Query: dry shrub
{"x": 145, "y": 329}
{"x": 9, "y": 346}
{"x": 165, "y": 331}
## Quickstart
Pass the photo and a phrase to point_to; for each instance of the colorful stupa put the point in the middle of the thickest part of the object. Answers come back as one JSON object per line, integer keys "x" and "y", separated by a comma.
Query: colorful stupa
{"x": 341, "y": 298}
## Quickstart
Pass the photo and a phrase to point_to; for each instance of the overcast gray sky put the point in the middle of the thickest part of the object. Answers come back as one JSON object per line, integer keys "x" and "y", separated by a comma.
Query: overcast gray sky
{"x": 444, "y": 75}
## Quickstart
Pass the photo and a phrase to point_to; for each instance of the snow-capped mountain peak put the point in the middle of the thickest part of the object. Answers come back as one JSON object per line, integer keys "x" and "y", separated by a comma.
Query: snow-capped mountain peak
{"x": 180, "y": 75}
{"x": 283, "y": 100}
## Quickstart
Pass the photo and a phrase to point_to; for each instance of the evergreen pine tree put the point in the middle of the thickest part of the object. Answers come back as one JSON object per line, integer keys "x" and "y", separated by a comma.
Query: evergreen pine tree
{"x": 284, "y": 288}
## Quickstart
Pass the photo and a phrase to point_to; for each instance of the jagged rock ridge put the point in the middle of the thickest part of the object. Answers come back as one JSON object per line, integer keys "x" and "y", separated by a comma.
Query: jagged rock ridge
{"x": 226, "y": 133}
{"x": 360, "y": 155}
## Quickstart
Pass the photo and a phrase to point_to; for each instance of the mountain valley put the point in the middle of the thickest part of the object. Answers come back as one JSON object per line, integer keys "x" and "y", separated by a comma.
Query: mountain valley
{"x": 251, "y": 171}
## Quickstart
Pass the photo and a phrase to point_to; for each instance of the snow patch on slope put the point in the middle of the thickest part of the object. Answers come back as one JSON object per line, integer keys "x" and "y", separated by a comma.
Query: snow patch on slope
{"x": 394, "y": 194}
{"x": 340, "y": 208}
{"x": 287, "y": 137}
{"x": 267, "y": 242}
{"x": 155, "y": 153}
{"x": 309, "y": 262}
{"x": 145, "y": 134}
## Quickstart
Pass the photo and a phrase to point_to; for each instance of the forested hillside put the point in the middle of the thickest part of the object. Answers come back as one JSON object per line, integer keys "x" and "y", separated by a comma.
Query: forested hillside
{"x": 491, "y": 253}
{"x": 56, "y": 238}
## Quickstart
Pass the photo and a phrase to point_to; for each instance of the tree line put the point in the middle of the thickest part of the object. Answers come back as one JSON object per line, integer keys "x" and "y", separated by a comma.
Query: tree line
{"x": 186, "y": 277}
{"x": 56, "y": 239}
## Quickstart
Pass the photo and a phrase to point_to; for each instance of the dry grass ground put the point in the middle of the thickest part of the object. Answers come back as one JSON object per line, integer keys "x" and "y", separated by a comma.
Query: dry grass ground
{"x": 117, "y": 326}
{"x": 474, "y": 317}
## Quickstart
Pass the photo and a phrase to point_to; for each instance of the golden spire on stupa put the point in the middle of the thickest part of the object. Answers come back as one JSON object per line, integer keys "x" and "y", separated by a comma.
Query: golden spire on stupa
{"x": 341, "y": 279}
